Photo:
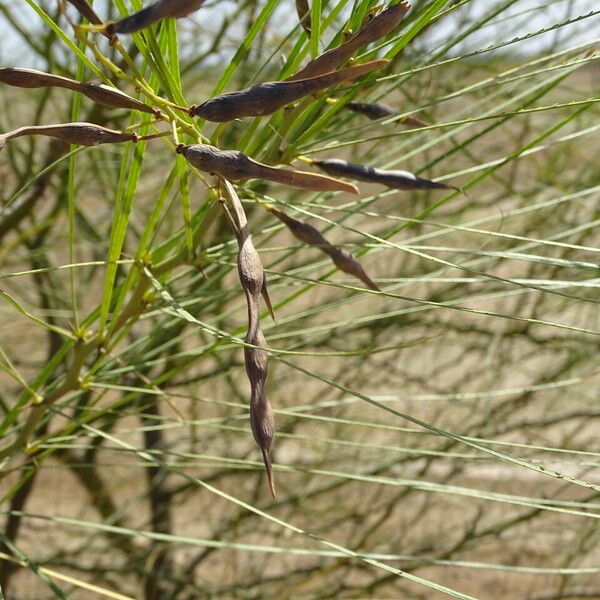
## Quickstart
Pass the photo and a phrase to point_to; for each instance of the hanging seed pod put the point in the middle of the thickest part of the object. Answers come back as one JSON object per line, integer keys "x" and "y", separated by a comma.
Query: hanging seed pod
{"x": 375, "y": 29}
{"x": 164, "y": 9}
{"x": 102, "y": 94}
{"x": 262, "y": 421}
{"x": 87, "y": 11}
{"x": 82, "y": 134}
{"x": 234, "y": 165}
{"x": 400, "y": 180}
{"x": 251, "y": 266}
{"x": 376, "y": 110}
{"x": 250, "y": 271}
{"x": 309, "y": 235}
{"x": 303, "y": 10}
{"x": 251, "y": 274}
{"x": 266, "y": 98}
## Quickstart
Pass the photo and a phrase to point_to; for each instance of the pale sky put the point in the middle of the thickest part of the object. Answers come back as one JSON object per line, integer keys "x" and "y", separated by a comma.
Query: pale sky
{"x": 523, "y": 17}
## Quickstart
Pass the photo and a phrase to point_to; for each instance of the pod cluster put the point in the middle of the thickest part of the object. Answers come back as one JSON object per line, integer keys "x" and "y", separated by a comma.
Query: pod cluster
{"x": 327, "y": 70}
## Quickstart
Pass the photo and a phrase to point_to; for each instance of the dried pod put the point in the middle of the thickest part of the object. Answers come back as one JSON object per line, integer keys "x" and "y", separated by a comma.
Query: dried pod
{"x": 308, "y": 234}
{"x": 376, "y": 110}
{"x": 379, "y": 26}
{"x": 346, "y": 263}
{"x": 82, "y": 134}
{"x": 400, "y": 180}
{"x": 266, "y": 98}
{"x": 102, "y": 94}
{"x": 87, "y": 11}
{"x": 256, "y": 359}
{"x": 251, "y": 274}
{"x": 262, "y": 421}
{"x": 263, "y": 430}
{"x": 250, "y": 270}
{"x": 234, "y": 165}
{"x": 163, "y": 9}
{"x": 303, "y": 10}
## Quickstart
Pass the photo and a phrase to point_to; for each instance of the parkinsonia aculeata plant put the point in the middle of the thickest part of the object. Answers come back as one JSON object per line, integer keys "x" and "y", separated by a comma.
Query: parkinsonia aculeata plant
{"x": 324, "y": 71}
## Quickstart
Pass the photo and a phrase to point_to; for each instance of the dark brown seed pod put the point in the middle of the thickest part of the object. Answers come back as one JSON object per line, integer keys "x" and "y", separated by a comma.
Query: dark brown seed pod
{"x": 252, "y": 275}
{"x": 250, "y": 271}
{"x": 163, "y": 9}
{"x": 234, "y": 165}
{"x": 252, "y": 278}
{"x": 263, "y": 430}
{"x": 262, "y": 421}
{"x": 376, "y": 110}
{"x": 265, "y": 294}
{"x": 266, "y": 98}
{"x": 303, "y": 10}
{"x": 82, "y": 134}
{"x": 87, "y": 11}
{"x": 102, "y": 94}
{"x": 256, "y": 359}
{"x": 308, "y": 234}
{"x": 375, "y": 29}
{"x": 400, "y": 180}
{"x": 346, "y": 263}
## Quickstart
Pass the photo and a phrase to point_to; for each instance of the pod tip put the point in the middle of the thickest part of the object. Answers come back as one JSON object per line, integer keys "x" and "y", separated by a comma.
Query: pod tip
{"x": 269, "y": 469}
{"x": 180, "y": 148}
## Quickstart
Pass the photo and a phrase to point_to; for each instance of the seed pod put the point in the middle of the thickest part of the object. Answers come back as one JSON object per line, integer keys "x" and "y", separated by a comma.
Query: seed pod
{"x": 308, "y": 234}
{"x": 379, "y": 26}
{"x": 303, "y": 10}
{"x": 256, "y": 359}
{"x": 400, "y": 180}
{"x": 263, "y": 429}
{"x": 266, "y": 98}
{"x": 251, "y": 274}
{"x": 376, "y": 110}
{"x": 250, "y": 270}
{"x": 102, "y": 94}
{"x": 262, "y": 421}
{"x": 82, "y": 134}
{"x": 163, "y": 9}
{"x": 234, "y": 165}
{"x": 87, "y": 11}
